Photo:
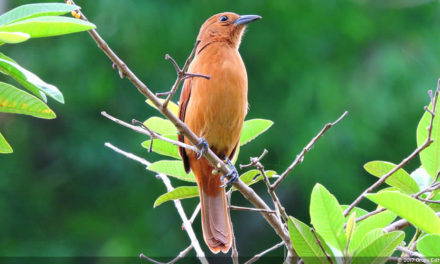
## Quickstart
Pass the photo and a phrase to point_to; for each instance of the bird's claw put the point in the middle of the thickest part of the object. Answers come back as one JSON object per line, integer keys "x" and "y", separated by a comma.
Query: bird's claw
{"x": 203, "y": 145}
{"x": 232, "y": 175}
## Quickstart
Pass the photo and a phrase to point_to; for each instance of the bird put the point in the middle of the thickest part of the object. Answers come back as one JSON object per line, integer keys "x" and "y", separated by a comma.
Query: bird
{"x": 215, "y": 110}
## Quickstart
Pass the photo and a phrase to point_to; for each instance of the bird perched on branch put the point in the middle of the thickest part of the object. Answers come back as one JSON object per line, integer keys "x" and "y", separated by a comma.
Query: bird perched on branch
{"x": 215, "y": 110}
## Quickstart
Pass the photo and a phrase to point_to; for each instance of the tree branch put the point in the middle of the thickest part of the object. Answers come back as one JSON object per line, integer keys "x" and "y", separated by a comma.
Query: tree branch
{"x": 259, "y": 255}
{"x": 405, "y": 161}
{"x": 181, "y": 255}
{"x": 300, "y": 157}
{"x": 188, "y": 228}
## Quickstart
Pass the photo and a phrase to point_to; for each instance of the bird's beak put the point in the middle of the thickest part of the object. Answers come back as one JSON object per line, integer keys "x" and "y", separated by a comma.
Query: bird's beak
{"x": 246, "y": 19}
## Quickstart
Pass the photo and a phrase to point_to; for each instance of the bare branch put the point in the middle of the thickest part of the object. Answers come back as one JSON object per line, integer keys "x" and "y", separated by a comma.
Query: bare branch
{"x": 146, "y": 131}
{"x": 254, "y": 160}
{"x": 259, "y": 255}
{"x": 181, "y": 255}
{"x": 399, "y": 225}
{"x": 405, "y": 161}
{"x": 299, "y": 158}
{"x": 246, "y": 191}
{"x": 188, "y": 228}
{"x": 249, "y": 209}
{"x": 409, "y": 252}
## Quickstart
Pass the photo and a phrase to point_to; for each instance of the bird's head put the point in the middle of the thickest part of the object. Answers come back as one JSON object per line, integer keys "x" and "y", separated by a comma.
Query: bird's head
{"x": 224, "y": 27}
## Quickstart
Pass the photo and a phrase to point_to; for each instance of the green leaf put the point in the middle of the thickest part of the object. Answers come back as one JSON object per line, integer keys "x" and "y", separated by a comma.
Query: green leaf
{"x": 254, "y": 176}
{"x": 173, "y": 168}
{"x": 253, "y": 128}
{"x": 416, "y": 212}
{"x": 178, "y": 193}
{"x": 48, "y": 26}
{"x": 380, "y": 249}
{"x": 29, "y": 80}
{"x": 327, "y": 218}
{"x": 163, "y": 147}
{"x": 400, "y": 179}
{"x": 4, "y": 145}
{"x": 430, "y": 157}
{"x": 369, "y": 237}
{"x": 379, "y": 220}
{"x": 173, "y": 107}
{"x": 304, "y": 242}
{"x": 35, "y": 10}
{"x": 161, "y": 126}
{"x": 14, "y": 100}
{"x": 13, "y": 37}
{"x": 429, "y": 245}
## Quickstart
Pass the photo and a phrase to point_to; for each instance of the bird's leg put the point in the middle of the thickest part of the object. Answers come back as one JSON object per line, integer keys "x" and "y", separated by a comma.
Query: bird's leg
{"x": 203, "y": 145}
{"x": 232, "y": 175}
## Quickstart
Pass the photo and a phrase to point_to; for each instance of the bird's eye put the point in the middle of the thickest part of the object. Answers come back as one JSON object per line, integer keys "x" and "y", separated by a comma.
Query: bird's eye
{"x": 223, "y": 18}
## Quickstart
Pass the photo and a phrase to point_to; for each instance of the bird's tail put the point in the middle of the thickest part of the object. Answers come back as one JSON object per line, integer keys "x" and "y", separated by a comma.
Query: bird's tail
{"x": 216, "y": 222}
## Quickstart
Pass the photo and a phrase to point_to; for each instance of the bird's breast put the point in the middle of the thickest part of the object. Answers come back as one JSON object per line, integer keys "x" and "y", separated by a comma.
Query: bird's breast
{"x": 218, "y": 106}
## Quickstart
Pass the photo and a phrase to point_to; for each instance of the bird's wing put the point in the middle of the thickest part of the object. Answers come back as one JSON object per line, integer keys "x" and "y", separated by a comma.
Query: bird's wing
{"x": 184, "y": 99}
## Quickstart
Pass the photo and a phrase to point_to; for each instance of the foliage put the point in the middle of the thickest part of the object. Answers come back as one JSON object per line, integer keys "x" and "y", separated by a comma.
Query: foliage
{"x": 19, "y": 25}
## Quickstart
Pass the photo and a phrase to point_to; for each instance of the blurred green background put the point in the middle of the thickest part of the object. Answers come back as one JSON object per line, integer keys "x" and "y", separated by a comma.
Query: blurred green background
{"x": 62, "y": 193}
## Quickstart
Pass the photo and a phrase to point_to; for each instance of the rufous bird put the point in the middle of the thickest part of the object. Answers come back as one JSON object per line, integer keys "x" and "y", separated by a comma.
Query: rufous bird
{"x": 215, "y": 110}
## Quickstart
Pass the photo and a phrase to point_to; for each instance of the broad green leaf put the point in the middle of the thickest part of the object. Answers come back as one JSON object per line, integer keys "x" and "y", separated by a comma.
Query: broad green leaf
{"x": 380, "y": 249}
{"x": 163, "y": 147}
{"x": 29, "y": 80}
{"x": 379, "y": 220}
{"x": 400, "y": 179}
{"x": 304, "y": 242}
{"x": 47, "y": 26}
{"x": 161, "y": 126}
{"x": 173, "y": 107}
{"x": 253, "y": 128}
{"x": 359, "y": 211}
{"x": 13, "y": 37}
{"x": 369, "y": 237}
{"x": 14, "y": 100}
{"x": 416, "y": 212}
{"x": 422, "y": 178}
{"x": 429, "y": 245}
{"x": 254, "y": 176}
{"x": 173, "y": 168}
{"x": 430, "y": 157}
{"x": 4, "y": 145}
{"x": 35, "y": 10}
{"x": 178, "y": 193}
{"x": 327, "y": 218}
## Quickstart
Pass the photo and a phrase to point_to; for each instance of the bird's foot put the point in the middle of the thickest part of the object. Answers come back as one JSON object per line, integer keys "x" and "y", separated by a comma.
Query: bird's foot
{"x": 203, "y": 145}
{"x": 232, "y": 175}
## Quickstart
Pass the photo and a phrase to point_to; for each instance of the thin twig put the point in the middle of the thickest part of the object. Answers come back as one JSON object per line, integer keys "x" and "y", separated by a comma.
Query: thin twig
{"x": 246, "y": 191}
{"x": 249, "y": 209}
{"x": 300, "y": 157}
{"x": 234, "y": 253}
{"x": 146, "y": 131}
{"x": 428, "y": 201}
{"x": 399, "y": 225}
{"x": 188, "y": 228}
{"x": 259, "y": 255}
{"x": 405, "y": 161}
{"x": 320, "y": 245}
{"x": 181, "y": 255}
{"x": 409, "y": 252}
{"x": 254, "y": 160}
{"x": 181, "y": 74}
